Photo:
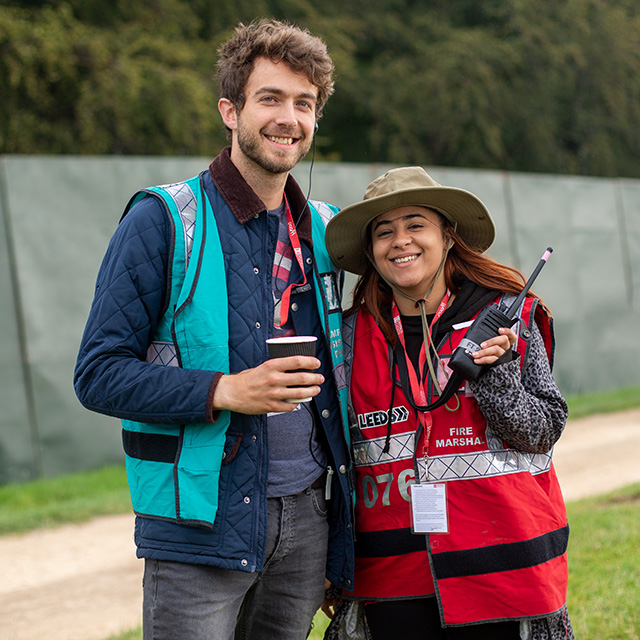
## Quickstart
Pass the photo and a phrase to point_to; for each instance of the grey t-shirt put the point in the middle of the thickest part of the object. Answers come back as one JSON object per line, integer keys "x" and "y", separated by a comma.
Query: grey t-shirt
{"x": 296, "y": 457}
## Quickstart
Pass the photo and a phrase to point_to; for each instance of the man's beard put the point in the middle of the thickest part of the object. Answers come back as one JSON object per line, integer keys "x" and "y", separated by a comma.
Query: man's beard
{"x": 249, "y": 144}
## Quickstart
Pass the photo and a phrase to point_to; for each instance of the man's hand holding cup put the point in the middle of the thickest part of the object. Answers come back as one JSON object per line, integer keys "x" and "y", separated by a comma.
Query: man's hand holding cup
{"x": 277, "y": 385}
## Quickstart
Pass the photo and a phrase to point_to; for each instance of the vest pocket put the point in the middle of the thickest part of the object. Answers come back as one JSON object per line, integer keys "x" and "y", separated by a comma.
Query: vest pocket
{"x": 231, "y": 447}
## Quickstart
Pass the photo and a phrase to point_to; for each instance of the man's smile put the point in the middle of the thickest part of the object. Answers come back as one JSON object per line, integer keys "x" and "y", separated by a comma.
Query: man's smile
{"x": 280, "y": 140}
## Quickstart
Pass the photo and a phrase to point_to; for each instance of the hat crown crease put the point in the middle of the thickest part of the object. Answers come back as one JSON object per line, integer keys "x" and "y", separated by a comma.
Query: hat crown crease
{"x": 398, "y": 180}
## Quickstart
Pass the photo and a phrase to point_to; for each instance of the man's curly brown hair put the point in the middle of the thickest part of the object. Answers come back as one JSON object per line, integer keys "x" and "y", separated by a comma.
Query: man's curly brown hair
{"x": 279, "y": 42}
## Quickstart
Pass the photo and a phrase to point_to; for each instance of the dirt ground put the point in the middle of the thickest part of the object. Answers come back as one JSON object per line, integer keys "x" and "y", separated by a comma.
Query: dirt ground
{"x": 83, "y": 582}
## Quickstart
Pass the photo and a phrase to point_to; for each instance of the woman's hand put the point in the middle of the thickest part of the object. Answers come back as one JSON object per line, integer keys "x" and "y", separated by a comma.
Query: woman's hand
{"x": 493, "y": 349}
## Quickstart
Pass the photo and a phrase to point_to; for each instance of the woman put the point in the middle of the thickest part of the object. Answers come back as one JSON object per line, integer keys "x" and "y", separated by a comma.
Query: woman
{"x": 461, "y": 529}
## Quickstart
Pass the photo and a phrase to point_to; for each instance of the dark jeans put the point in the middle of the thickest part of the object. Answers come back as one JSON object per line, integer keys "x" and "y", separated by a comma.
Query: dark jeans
{"x": 197, "y": 602}
{"x": 420, "y": 619}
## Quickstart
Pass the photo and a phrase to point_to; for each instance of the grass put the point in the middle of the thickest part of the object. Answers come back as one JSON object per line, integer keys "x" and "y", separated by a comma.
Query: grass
{"x": 133, "y": 634}
{"x": 604, "y": 566}
{"x": 75, "y": 497}
{"x": 603, "y": 402}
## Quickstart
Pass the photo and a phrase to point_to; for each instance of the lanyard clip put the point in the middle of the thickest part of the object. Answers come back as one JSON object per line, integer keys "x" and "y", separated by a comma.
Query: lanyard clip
{"x": 327, "y": 486}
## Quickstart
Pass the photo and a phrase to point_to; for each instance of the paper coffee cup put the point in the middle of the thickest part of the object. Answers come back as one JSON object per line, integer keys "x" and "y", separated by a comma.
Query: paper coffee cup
{"x": 286, "y": 346}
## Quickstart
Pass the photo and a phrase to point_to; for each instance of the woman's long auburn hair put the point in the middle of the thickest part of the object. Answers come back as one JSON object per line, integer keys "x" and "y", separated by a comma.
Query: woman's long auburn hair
{"x": 374, "y": 295}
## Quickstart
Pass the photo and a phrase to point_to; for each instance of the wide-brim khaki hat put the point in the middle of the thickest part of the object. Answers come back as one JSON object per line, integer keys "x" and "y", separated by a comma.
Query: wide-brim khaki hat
{"x": 346, "y": 234}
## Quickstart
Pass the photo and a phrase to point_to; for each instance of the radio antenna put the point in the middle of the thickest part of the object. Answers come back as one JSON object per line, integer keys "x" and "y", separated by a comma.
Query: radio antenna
{"x": 518, "y": 301}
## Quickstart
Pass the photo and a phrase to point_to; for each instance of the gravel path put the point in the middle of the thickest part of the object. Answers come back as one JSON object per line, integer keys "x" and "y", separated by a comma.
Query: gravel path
{"x": 83, "y": 582}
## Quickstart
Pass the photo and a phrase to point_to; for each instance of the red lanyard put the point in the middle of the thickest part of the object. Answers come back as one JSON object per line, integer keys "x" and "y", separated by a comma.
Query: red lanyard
{"x": 417, "y": 386}
{"x": 297, "y": 250}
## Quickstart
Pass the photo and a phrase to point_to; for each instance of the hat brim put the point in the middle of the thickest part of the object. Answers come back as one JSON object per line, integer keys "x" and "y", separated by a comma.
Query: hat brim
{"x": 346, "y": 232}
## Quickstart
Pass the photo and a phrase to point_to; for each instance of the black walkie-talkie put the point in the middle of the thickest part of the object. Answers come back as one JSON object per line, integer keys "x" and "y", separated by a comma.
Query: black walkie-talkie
{"x": 486, "y": 326}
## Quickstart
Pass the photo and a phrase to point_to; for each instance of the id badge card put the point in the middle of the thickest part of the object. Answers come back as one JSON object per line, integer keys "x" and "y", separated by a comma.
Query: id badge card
{"x": 429, "y": 508}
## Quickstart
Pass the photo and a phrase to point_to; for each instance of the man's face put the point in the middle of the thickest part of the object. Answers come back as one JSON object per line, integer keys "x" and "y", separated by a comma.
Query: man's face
{"x": 275, "y": 128}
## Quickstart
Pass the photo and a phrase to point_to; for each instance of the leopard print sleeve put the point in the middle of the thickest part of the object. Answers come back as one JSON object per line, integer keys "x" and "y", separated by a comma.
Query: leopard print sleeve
{"x": 557, "y": 626}
{"x": 525, "y": 408}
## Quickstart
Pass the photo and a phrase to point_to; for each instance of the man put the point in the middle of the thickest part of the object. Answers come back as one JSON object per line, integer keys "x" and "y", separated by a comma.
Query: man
{"x": 239, "y": 488}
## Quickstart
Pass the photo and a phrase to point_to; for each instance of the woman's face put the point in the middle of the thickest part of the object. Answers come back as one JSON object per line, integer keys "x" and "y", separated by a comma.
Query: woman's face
{"x": 408, "y": 245}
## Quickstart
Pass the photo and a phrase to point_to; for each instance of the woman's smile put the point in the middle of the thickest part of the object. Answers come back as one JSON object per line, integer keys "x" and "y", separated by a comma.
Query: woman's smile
{"x": 408, "y": 246}
{"x": 404, "y": 259}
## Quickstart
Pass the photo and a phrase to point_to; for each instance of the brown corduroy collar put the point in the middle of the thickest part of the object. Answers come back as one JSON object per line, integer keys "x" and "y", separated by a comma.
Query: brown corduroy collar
{"x": 243, "y": 201}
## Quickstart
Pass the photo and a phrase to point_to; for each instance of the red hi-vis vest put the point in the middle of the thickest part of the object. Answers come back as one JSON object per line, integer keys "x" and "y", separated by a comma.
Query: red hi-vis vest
{"x": 505, "y": 554}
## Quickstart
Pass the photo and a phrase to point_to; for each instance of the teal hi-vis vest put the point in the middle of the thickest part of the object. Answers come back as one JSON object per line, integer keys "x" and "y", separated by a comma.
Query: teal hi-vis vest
{"x": 194, "y": 334}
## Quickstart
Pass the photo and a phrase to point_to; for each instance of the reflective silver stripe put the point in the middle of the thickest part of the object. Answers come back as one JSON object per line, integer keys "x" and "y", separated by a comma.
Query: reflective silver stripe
{"x": 186, "y": 203}
{"x": 369, "y": 452}
{"x": 340, "y": 375}
{"x": 325, "y": 211}
{"x": 461, "y": 466}
{"x": 162, "y": 353}
{"x": 485, "y": 464}
{"x": 330, "y": 283}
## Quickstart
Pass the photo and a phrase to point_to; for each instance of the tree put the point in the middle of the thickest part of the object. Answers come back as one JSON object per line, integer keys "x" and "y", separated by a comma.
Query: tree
{"x": 71, "y": 87}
